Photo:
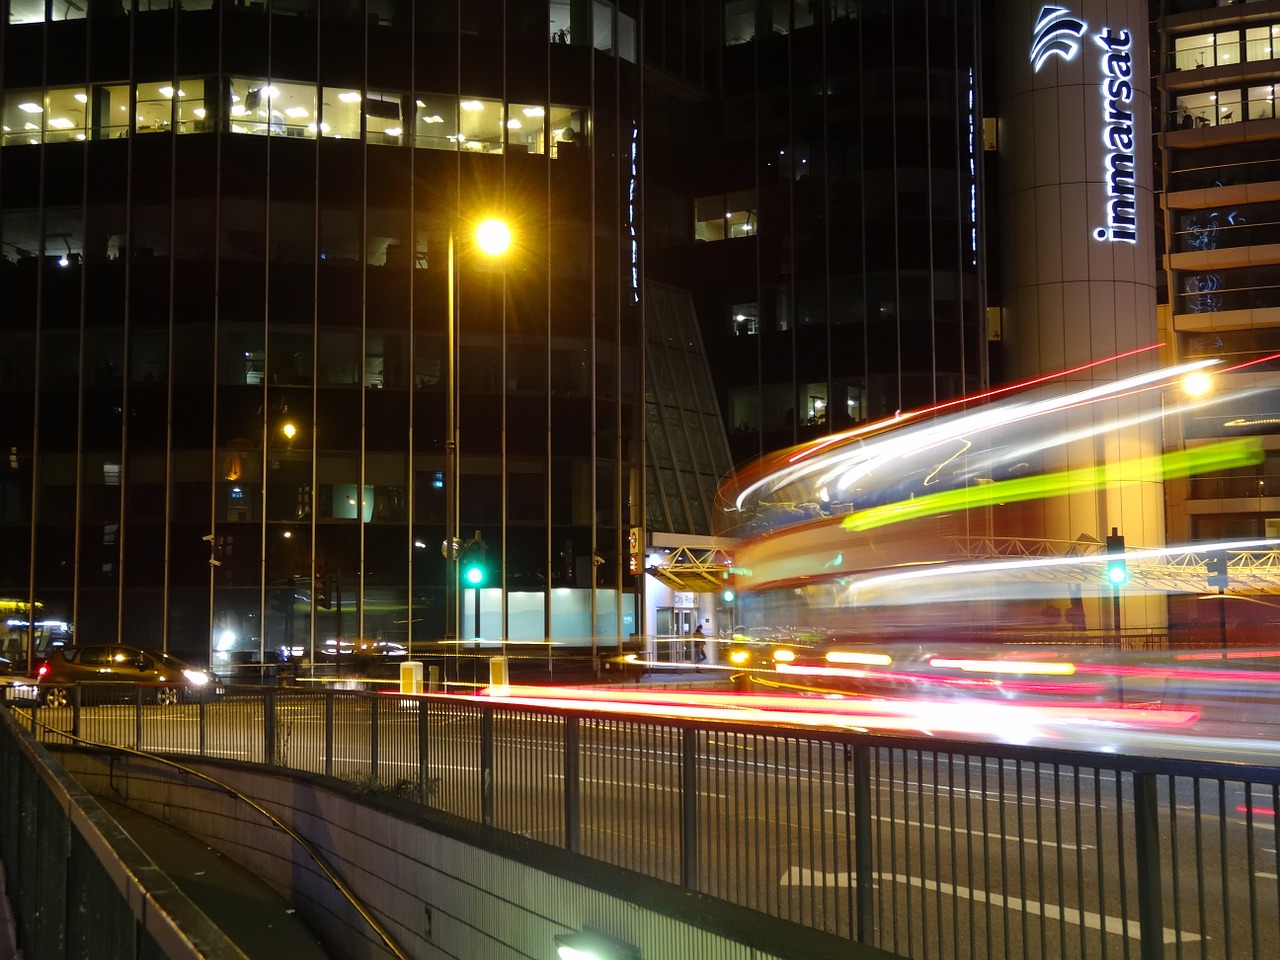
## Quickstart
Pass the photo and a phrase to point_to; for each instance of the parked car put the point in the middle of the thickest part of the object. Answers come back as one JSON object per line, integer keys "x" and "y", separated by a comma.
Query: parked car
{"x": 167, "y": 679}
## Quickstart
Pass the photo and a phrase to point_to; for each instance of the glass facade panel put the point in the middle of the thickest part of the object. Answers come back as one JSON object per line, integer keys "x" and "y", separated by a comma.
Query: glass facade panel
{"x": 23, "y": 117}
{"x": 481, "y": 126}
{"x": 384, "y": 118}
{"x": 193, "y": 115}
{"x": 527, "y": 128}
{"x": 109, "y": 111}
{"x": 340, "y": 113}
{"x": 66, "y": 114}
{"x": 436, "y": 126}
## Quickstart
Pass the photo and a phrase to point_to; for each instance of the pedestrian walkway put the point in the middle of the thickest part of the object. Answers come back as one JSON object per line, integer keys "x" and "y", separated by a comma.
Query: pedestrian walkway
{"x": 252, "y": 915}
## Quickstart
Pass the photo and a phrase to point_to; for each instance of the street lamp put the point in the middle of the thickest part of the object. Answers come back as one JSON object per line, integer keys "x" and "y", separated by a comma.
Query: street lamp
{"x": 492, "y": 237}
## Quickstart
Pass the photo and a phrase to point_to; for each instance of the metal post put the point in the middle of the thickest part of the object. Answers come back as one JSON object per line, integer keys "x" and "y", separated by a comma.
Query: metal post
{"x": 689, "y": 808}
{"x": 1146, "y": 837}
{"x": 1222, "y": 617}
{"x": 864, "y": 880}
{"x": 451, "y": 461}
{"x": 572, "y": 786}
{"x": 486, "y": 766}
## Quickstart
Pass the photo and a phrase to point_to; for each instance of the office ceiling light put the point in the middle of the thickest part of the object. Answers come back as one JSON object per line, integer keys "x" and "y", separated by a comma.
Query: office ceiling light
{"x": 30, "y": 107}
{"x": 349, "y": 96}
{"x": 434, "y": 118}
{"x": 534, "y": 111}
{"x": 591, "y": 944}
{"x": 296, "y": 112}
{"x": 393, "y": 131}
{"x": 471, "y": 105}
{"x": 514, "y": 124}
{"x": 82, "y": 97}
{"x": 166, "y": 91}
{"x": 60, "y": 123}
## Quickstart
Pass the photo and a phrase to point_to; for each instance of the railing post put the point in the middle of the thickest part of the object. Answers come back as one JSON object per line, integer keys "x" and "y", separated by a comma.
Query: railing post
{"x": 269, "y": 727}
{"x": 137, "y": 716}
{"x": 1146, "y": 837}
{"x": 572, "y": 785}
{"x": 864, "y": 890}
{"x": 424, "y": 764}
{"x": 328, "y": 732}
{"x": 689, "y": 808}
{"x": 486, "y": 766}
{"x": 373, "y": 737}
{"x": 203, "y": 723}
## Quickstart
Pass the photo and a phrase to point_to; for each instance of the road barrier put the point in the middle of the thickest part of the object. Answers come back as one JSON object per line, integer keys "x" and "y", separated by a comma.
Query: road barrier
{"x": 921, "y": 847}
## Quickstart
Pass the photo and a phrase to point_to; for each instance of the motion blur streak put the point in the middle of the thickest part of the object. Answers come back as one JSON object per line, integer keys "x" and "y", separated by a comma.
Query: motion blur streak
{"x": 1242, "y": 452}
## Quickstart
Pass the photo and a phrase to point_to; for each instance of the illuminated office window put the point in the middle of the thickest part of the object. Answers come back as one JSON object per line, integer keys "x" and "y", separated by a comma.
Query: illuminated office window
{"x": 272, "y": 107}
{"x": 725, "y": 216}
{"x": 568, "y": 130}
{"x": 384, "y": 118}
{"x": 340, "y": 113}
{"x": 193, "y": 115}
{"x": 527, "y": 127}
{"x": 66, "y": 111}
{"x": 109, "y": 111}
{"x": 23, "y": 117}
{"x": 435, "y": 125}
{"x": 154, "y": 110}
{"x": 481, "y": 125}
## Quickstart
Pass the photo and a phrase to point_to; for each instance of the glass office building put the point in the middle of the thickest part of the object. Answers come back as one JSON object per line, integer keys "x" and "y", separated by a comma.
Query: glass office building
{"x": 235, "y": 250}
{"x": 832, "y": 183}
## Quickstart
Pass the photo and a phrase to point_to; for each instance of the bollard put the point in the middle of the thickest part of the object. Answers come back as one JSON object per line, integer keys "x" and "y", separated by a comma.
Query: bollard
{"x": 499, "y": 683}
{"x": 411, "y": 677}
{"x": 433, "y": 678}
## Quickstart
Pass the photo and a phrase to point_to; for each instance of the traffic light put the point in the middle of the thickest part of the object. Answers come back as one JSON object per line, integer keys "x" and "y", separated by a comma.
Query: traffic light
{"x": 1215, "y": 566}
{"x": 728, "y": 595}
{"x": 1117, "y": 571}
{"x": 473, "y": 562}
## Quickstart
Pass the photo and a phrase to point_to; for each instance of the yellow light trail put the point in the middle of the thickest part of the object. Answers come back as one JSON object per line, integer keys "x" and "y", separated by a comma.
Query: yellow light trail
{"x": 1245, "y": 451}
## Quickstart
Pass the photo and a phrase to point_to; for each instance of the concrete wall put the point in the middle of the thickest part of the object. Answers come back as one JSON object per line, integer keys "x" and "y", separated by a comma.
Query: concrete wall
{"x": 443, "y": 887}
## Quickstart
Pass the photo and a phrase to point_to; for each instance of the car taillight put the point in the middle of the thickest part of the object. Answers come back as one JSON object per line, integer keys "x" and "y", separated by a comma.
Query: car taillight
{"x": 42, "y": 670}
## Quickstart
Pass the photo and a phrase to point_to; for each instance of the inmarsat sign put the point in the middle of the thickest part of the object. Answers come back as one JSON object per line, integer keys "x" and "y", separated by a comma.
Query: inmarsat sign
{"x": 1057, "y": 33}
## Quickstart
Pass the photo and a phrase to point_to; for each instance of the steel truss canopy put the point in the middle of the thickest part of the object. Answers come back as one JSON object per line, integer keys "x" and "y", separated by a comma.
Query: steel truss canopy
{"x": 1248, "y": 571}
{"x": 703, "y": 566}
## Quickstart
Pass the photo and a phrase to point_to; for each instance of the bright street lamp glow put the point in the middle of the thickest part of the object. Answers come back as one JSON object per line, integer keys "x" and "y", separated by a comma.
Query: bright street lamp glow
{"x": 289, "y": 431}
{"x": 494, "y": 237}
{"x": 1196, "y": 384}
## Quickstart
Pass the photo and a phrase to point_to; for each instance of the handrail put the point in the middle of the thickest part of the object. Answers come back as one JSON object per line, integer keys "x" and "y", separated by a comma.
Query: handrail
{"x": 316, "y": 855}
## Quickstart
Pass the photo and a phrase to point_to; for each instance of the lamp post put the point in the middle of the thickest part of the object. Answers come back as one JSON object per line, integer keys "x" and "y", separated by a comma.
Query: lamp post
{"x": 493, "y": 237}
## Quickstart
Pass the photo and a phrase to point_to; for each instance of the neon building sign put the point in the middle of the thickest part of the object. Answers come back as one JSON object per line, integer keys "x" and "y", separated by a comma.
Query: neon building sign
{"x": 1058, "y": 33}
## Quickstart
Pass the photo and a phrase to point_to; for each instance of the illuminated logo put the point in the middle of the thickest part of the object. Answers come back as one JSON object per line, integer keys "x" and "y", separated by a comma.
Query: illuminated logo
{"x": 1057, "y": 34}
{"x": 1119, "y": 137}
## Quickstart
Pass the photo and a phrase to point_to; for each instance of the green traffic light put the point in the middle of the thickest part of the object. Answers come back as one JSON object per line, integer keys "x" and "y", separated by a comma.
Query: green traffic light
{"x": 728, "y": 596}
{"x": 474, "y": 575}
{"x": 1117, "y": 573}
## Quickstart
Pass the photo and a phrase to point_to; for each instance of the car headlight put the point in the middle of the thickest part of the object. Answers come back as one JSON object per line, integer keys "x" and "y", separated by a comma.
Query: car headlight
{"x": 739, "y": 657}
{"x": 196, "y": 678}
{"x": 784, "y": 656}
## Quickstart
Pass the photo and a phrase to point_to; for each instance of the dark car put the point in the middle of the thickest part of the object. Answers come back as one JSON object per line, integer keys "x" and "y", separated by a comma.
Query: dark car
{"x": 167, "y": 679}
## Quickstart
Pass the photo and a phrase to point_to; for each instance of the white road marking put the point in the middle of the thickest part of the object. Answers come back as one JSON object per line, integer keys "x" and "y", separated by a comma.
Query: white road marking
{"x": 804, "y": 877}
{"x": 1061, "y": 844}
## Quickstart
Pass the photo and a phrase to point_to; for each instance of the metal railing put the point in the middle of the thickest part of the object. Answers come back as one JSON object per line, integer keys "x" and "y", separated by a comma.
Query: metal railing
{"x": 923, "y": 848}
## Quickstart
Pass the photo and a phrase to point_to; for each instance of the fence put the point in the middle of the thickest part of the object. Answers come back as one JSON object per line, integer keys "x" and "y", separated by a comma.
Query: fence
{"x": 923, "y": 848}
